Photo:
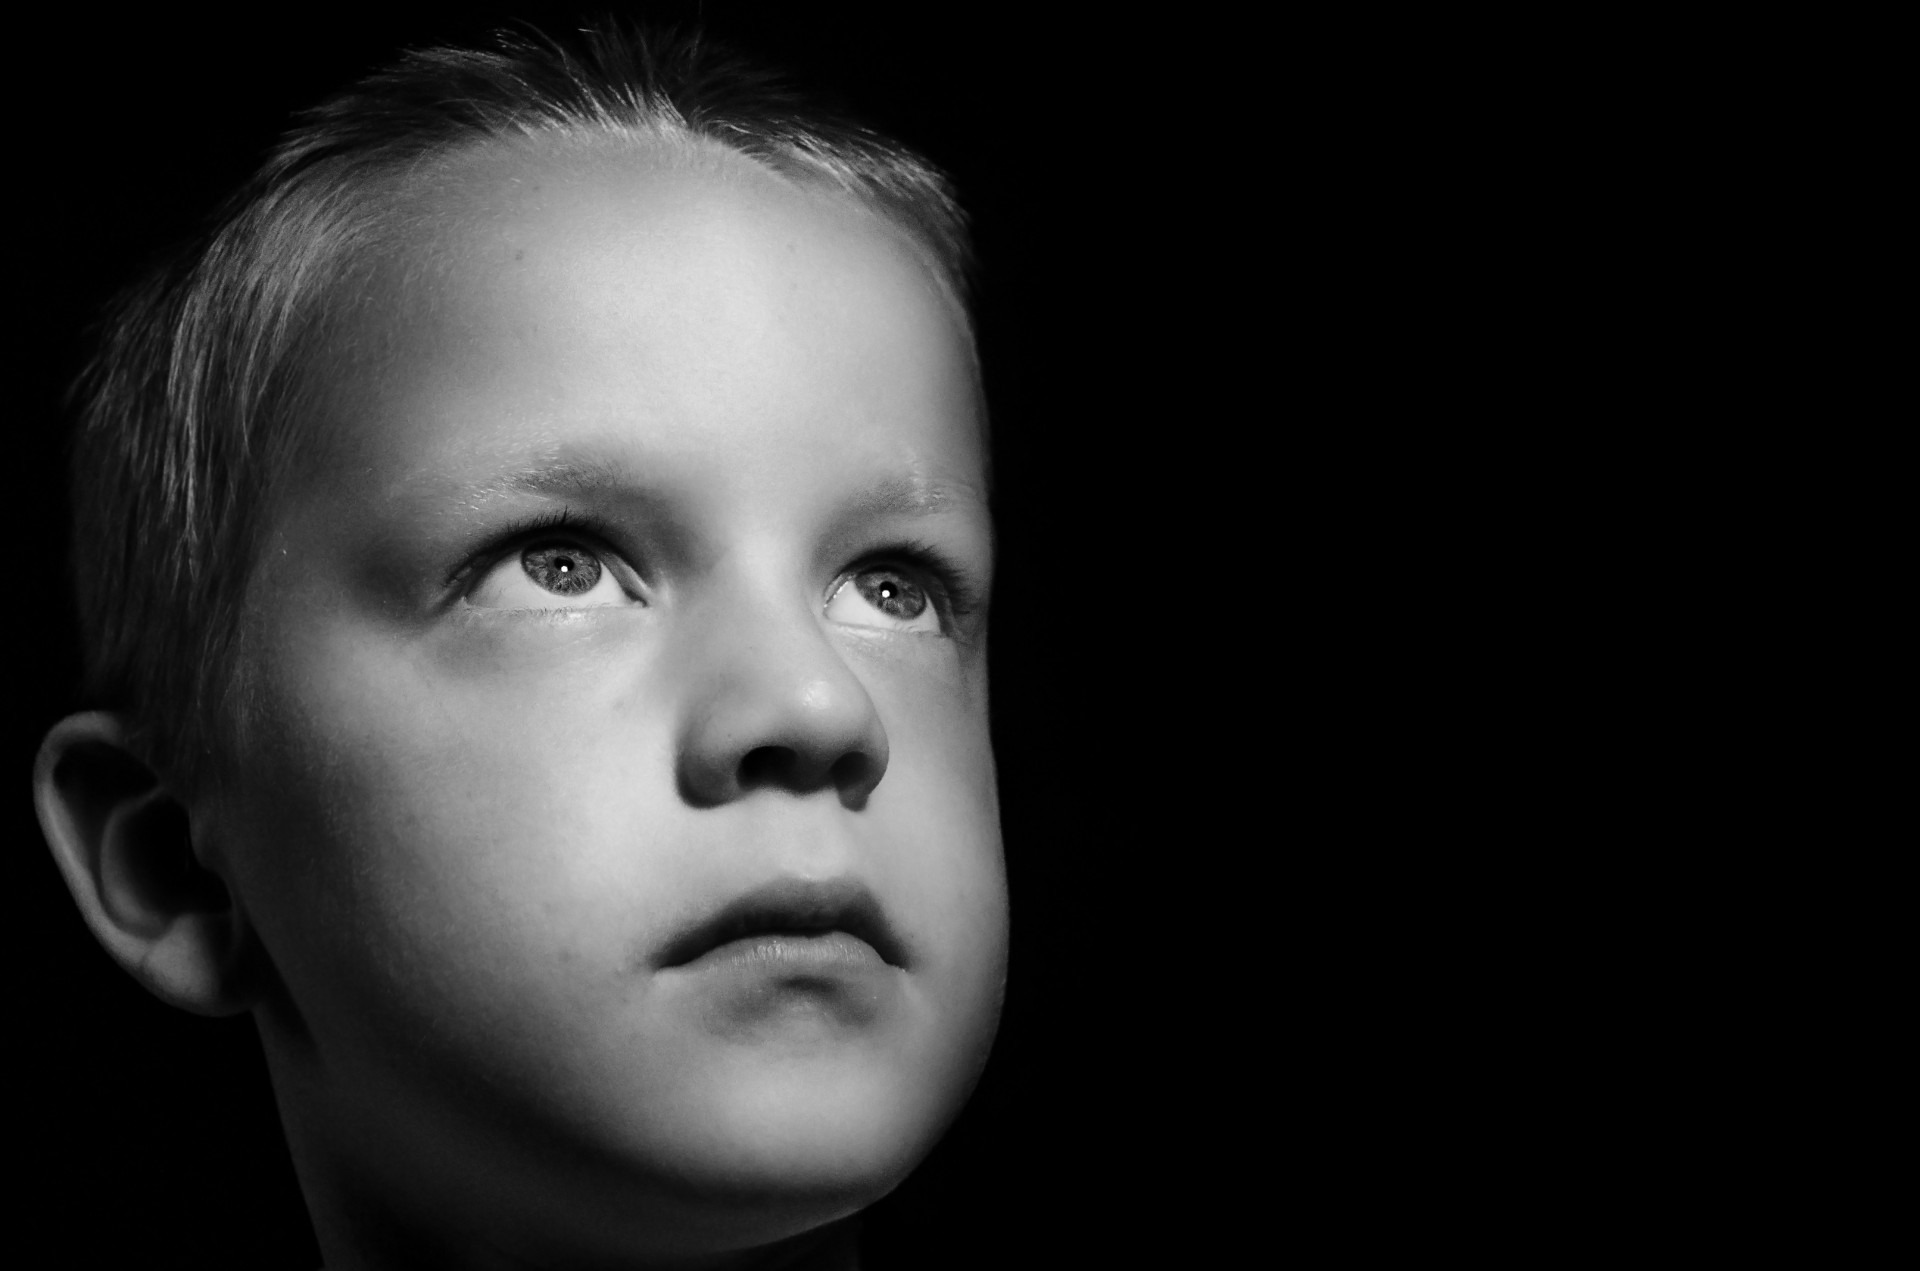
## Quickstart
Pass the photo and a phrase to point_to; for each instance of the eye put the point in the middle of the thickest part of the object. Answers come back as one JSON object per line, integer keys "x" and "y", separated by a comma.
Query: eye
{"x": 550, "y": 574}
{"x": 884, "y": 596}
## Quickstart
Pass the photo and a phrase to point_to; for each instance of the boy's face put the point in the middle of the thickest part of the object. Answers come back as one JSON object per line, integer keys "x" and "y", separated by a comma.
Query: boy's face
{"x": 615, "y": 804}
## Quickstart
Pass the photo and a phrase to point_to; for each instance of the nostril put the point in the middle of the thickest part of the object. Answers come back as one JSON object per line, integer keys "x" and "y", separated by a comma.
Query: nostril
{"x": 768, "y": 766}
{"x": 851, "y": 771}
{"x": 784, "y": 768}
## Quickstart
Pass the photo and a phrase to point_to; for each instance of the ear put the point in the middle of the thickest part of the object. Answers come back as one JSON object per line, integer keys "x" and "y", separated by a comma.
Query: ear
{"x": 124, "y": 844}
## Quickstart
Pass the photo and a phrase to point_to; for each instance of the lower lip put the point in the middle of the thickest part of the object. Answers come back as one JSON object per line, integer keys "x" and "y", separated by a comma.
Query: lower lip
{"x": 829, "y": 953}
{"x": 765, "y": 987}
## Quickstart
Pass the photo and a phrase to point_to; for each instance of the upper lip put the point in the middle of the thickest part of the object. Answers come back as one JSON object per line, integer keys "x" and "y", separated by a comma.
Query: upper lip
{"x": 791, "y": 906}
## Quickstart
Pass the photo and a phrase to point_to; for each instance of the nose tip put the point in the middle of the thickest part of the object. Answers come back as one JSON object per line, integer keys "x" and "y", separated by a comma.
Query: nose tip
{"x": 760, "y": 729}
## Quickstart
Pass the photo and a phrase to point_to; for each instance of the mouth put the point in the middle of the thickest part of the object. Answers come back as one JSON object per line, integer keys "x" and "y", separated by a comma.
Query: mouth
{"x": 794, "y": 909}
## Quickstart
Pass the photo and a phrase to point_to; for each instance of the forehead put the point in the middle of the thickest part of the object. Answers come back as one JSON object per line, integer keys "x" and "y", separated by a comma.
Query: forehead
{"x": 662, "y": 296}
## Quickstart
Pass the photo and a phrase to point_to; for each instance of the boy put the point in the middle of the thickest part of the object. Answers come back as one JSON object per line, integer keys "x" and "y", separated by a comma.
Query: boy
{"x": 534, "y": 558}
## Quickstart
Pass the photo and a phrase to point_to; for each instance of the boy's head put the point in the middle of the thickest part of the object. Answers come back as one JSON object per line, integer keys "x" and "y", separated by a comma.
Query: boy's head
{"x": 535, "y": 559}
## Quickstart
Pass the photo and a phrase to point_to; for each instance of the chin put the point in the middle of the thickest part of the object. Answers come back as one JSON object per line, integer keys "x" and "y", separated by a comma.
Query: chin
{"x": 818, "y": 1134}
{"x": 786, "y": 1094}
{"x": 769, "y": 1161}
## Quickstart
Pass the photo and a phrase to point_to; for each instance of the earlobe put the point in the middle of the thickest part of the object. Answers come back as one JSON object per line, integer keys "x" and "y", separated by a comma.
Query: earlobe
{"x": 124, "y": 845}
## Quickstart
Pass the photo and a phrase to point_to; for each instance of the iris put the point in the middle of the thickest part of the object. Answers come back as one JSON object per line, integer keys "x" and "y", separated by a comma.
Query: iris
{"x": 564, "y": 569}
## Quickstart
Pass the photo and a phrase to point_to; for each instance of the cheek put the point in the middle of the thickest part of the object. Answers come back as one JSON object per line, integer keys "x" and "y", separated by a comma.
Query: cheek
{"x": 939, "y": 812}
{"x": 463, "y": 825}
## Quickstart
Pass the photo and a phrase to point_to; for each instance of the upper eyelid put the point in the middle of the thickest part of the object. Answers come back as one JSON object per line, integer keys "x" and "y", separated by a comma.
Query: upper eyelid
{"x": 921, "y": 557}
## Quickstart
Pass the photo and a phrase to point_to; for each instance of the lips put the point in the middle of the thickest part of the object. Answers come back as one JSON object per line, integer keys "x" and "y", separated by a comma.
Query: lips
{"x": 795, "y": 908}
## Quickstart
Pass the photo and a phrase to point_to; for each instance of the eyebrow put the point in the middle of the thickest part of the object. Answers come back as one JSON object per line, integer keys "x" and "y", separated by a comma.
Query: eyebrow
{"x": 567, "y": 476}
{"x": 584, "y": 475}
{"x": 914, "y": 495}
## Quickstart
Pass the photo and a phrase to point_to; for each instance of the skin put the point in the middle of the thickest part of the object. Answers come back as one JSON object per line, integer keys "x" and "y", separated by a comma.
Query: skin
{"x": 467, "y": 813}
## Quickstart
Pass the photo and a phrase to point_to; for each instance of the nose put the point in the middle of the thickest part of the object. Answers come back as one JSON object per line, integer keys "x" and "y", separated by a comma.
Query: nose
{"x": 774, "y": 706}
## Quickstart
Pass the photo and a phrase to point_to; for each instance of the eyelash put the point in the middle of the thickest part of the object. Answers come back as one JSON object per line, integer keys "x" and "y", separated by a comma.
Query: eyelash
{"x": 951, "y": 587}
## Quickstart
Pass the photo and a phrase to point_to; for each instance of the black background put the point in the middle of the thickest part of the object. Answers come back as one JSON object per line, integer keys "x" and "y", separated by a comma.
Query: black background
{"x": 1126, "y": 199}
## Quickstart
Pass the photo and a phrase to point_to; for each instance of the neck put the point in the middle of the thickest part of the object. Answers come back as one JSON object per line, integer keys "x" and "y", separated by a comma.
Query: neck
{"x": 835, "y": 1247}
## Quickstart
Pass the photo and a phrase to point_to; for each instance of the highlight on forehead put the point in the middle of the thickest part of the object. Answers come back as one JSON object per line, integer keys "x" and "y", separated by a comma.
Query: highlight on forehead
{"x": 473, "y": 181}
{"x": 419, "y": 221}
